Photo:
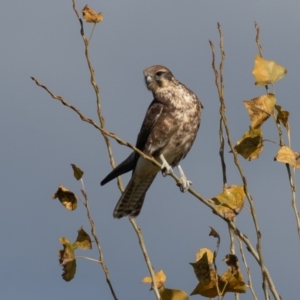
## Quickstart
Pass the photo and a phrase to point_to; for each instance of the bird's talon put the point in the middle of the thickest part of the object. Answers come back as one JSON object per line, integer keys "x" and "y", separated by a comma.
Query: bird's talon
{"x": 166, "y": 169}
{"x": 164, "y": 172}
{"x": 185, "y": 185}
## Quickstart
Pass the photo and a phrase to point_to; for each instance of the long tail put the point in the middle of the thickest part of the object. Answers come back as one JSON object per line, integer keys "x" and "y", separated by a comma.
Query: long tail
{"x": 127, "y": 165}
{"x": 132, "y": 199}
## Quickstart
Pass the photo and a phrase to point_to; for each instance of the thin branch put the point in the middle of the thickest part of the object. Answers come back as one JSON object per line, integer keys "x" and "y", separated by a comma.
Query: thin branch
{"x": 144, "y": 250}
{"x": 247, "y": 268}
{"x": 97, "y": 241}
{"x": 257, "y": 39}
{"x": 92, "y": 31}
{"x": 97, "y": 92}
{"x": 293, "y": 190}
{"x": 88, "y": 258}
{"x": 222, "y": 109}
{"x": 232, "y": 251}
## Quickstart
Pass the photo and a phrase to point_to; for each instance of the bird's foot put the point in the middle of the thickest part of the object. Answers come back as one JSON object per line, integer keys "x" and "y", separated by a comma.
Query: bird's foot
{"x": 185, "y": 185}
{"x": 166, "y": 169}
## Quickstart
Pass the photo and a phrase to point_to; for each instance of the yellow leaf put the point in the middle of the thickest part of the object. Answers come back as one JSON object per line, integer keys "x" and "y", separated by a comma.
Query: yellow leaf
{"x": 83, "y": 240}
{"x": 160, "y": 278}
{"x": 202, "y": 266}
{"x": 251, "y": 144}
{"x": 209, "y": 290}
{"x": 288, "y": 156}
{"x": 260, "y": 109}
{"x": 230, "y": 202}
{"x": 202, "y": 251}
{"x": 267, "y": 71}
{"x": 147, "y": 279}
{"x": 78, "y": 173}
{"x": 91, "y": 16}
{"x": 165, "y": 293}
{"x": 67, "y": 259}
{"x": 66, "y": 198}
{"x": 172, "y": 294}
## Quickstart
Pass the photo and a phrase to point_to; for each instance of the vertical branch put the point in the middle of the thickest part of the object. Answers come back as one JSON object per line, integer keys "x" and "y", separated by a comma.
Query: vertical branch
{"x": 109, "y": 149}
{"x": 97, "y": 93}
{"x": 293, "y": 190}
{"x": 259, "y": 46}
{"x": 292, "y": 178}
{"x": 247, "y": 268}
{"x": 222, "y": 108}
{"x": 97, "y": 241}
{"x": 232, "y": 251}
{"x": 146, "y": 256}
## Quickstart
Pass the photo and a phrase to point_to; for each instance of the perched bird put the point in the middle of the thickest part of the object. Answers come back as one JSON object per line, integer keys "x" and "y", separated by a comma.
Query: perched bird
{"x": 168, "y": 131}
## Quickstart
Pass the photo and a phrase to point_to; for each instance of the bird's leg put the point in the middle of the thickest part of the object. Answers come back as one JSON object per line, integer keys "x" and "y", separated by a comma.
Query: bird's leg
{"x": 166, "y": 169}
{"x": 185, "y": 182}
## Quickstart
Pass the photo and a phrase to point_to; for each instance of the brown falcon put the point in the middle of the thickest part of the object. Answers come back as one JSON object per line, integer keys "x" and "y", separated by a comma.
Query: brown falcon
{"x": 169, "y": 129}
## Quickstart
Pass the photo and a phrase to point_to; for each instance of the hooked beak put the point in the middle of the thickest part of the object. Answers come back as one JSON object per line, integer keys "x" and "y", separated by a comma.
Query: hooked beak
{"x": 149, "y": 79}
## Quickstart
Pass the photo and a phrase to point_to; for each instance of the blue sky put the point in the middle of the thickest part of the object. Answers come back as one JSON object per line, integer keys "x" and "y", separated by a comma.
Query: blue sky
{"x": 41, "y": 138}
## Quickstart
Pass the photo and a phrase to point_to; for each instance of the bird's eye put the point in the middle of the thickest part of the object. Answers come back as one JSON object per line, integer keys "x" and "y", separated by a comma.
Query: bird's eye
{"x": 159, "y": 73}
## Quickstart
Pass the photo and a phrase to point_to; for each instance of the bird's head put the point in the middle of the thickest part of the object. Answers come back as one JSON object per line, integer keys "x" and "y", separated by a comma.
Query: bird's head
{"x": 157, "y": 77}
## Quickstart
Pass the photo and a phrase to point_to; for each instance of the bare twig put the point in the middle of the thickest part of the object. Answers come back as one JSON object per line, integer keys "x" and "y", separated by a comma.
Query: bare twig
{"x": 144, "y": 250}
{"x": 257, "y": 39}
{"x": 292, "y": 182}
{"x": 92, "y": 31}
{"x": 247, "y": 268}
{"x": 88, "y": 258}
{"x": 97, "y": 92}
{"x": 222, "y": 111}
{"x": 220, "y": 82}
{"x": 97, "y": 241}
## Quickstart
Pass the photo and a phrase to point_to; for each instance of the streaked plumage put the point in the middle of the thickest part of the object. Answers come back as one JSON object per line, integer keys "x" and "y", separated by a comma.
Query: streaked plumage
{"x": 169, "y": 128}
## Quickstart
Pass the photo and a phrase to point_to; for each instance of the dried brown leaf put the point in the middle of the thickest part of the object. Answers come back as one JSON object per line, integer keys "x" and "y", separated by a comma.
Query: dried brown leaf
{"x": 251, "y": 144}
{"x": 91, "y": 16}
{"x": 67, "y": 259}
{"x": 283, "y": 117}
{"x": 209, "y": 289}
{"x": 215, "y": 234}
{"x": 233, "y": 277}
{"x": 78, "y": 173}
{"x": 288, "y": 156}
{"x": 260, "y": 109}
{"x": 202, "y": 266}
{"x": 172, "y": 294}
{"x": 209, "y": 253}
{"x": 67, "y": 198}
{"x": 160, "y": 279}
{"x": 83, "y": 240}
{"x": 230, "y": 202}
